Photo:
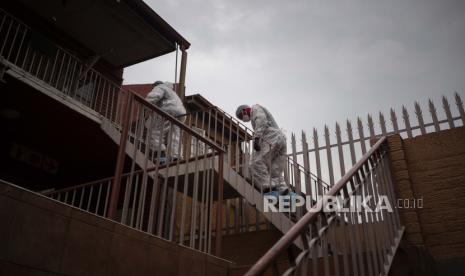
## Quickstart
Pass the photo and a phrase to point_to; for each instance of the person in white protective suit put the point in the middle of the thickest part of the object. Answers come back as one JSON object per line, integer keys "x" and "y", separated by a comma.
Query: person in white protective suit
{"x": 269, "y": 157}
{"x": 163, "y": 96}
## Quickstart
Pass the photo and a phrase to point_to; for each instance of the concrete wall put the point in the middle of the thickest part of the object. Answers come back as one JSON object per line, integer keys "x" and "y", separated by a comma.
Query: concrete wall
{"x": 432, "y": 168}
{"x": 247, "y": 248}
{"x": 39, "y": 236}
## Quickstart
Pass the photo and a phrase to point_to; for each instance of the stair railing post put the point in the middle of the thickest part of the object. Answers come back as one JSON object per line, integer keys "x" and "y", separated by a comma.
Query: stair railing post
{"x": 219, "y": 207}
{"x": 125, "y": 123}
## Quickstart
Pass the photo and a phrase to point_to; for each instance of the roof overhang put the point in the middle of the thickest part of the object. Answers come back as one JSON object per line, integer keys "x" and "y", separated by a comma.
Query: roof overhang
{"x": 124, "y": 32}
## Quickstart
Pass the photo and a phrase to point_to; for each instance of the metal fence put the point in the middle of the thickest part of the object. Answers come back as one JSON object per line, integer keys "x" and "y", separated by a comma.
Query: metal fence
{"x": 354, "y": 242}
{"x": 329, "y": 159}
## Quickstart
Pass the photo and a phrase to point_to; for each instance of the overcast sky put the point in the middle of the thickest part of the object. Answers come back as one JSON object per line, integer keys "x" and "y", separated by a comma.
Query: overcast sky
{"x": 315, "y": 62}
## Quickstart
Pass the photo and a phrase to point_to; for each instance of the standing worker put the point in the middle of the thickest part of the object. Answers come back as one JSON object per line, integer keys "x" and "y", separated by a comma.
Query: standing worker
{"x": 269, "y": 157}
{"x": 164, "y": 97}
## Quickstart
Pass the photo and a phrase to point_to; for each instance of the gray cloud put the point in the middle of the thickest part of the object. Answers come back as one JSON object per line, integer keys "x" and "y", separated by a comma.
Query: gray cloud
{"x": 316, "y": 62}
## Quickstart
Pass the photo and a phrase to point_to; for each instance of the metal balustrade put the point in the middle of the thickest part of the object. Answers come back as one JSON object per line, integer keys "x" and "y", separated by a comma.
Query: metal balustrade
{"x": 92, "y": 197}
{"x": 237, "y": 140}
{"x": 29, "y": 54}
{"x": 354, "y": 242}
{"x": 220, "y": 127}
{"x": 146, "y": 197}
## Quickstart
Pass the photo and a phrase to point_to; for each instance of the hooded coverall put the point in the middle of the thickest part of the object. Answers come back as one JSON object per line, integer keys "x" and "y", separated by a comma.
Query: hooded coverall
{"x": 167, "y": 100}
{"x": 267, "y": 164}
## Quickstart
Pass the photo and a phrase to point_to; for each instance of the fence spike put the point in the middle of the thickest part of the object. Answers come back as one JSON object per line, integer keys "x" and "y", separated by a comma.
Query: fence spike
{"x": 419, "y": 114}
{"x": 359, "y": 123}
{"x": 340, "y": 150}
{"x": 350, "y": 135}
{"x": 326, "y": 131}
{"x": 459, "y": 103}
{"x": 361, "y": 135}
{"x": 382, "y": 123}
{"x": 407, "y": 122}
{"x": 318, "y": 162}
{"x": 306, "y": 157}
{"x": 371, "y": 126}
{"x": 446, "y": 106}
{"x": 315, "y": 135}
{"x": 395, "y": 125}
{"x": 338, "y": 129}
{"x": 296, "y": 169}
{"x": 434, "y": 115}
{"x": 329, "y": 157}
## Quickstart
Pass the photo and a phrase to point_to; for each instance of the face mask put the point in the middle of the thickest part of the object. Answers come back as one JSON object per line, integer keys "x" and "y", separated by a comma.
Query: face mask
{"x": 246, "y": 118}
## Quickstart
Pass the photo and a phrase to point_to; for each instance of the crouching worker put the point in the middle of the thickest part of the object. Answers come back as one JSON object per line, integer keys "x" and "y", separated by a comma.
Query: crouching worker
{"x": 269, "y": 156}
{"x": 162, "y": 133}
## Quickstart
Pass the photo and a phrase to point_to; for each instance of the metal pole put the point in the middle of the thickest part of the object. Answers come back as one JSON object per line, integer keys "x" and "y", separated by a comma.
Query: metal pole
{"x": 182, "y": 74}
{"x": 120, "y": 159}
{"x": 219, "y": 205}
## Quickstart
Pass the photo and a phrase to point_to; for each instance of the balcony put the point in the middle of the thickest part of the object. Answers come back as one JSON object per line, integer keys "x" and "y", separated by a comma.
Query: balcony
{"x": 32, "y": 58}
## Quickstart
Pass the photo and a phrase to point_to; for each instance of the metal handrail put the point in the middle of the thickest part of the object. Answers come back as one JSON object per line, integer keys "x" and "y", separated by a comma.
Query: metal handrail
{"x": 155, "y": 108}
{"x": 246, "y": 129}
{"x": 111, "y": 178}
{"x": 306, "y": 172}
{"x": 300, "y": 227}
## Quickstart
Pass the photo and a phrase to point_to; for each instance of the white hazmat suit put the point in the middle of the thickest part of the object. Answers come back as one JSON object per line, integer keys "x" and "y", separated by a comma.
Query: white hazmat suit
{"x": 267, "y": 164}
{"x": 163, "y": 96}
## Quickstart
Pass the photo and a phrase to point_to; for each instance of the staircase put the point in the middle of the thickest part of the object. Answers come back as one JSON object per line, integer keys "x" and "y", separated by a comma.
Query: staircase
{"x": 144, "y": 192}
{"x": 354, "y": 243}
{"x": 235, "y": 176}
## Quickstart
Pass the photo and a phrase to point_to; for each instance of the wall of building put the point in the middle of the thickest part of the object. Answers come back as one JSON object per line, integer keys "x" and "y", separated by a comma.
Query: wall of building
{"x": 42, "y": 237}
{"x": 431, "y": 169}
{"x": 436, "y": 164}
{"x": 253, "y": 245}
{"x": 49, "y": 144}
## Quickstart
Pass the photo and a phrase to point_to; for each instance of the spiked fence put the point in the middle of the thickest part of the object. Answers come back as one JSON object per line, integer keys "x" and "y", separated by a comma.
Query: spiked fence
{"x": 330, "y": 159}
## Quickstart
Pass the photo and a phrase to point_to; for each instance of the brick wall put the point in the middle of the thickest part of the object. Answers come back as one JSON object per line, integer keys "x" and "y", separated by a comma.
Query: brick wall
{"x": 404, "y": 189}
{"x": 432, "y": 167}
